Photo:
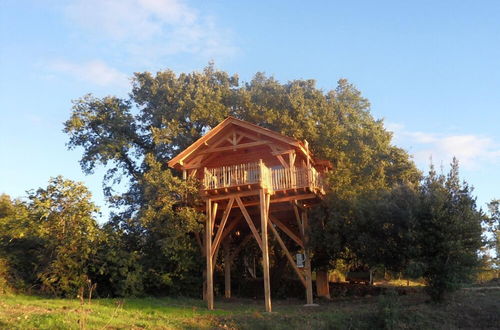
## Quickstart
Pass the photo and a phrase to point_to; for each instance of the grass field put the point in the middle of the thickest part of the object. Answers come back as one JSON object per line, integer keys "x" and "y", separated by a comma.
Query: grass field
{"x": 476, "y": 308}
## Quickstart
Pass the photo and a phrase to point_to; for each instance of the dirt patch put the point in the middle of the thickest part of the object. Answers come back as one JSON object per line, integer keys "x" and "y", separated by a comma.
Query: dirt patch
{"x": 23, "y": 309}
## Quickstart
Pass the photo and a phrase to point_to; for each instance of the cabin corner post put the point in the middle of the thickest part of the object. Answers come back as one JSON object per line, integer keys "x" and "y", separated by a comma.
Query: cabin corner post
{"x": 307, "y": 251}
{"x": 208, "y": 249}
{"x": 264, "y": 218}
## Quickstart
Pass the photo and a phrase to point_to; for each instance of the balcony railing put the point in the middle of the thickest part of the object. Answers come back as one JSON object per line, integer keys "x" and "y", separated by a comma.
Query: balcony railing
{"x": 279, "y": 178}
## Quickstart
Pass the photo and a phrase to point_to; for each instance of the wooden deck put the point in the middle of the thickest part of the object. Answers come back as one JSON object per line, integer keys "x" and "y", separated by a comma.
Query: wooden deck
{"x": 249, "y": 175}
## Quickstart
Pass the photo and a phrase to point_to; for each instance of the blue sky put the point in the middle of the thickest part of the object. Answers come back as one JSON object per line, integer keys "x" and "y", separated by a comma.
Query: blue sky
{"x": 431, "y": 69}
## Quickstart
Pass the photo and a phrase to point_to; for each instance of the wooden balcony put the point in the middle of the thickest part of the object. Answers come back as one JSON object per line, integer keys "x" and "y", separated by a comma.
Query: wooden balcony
{"x": 246, "y": 176}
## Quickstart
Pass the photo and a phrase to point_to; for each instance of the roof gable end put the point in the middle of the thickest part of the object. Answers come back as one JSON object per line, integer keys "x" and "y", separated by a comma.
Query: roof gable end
{"x": 218, "y": 130}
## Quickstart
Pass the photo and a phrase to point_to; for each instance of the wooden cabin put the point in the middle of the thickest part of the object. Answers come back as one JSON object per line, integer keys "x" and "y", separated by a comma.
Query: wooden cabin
{"x": 254, "y": 181}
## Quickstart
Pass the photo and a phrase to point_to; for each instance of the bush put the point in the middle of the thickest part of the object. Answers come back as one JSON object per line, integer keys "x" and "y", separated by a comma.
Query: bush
{"x": 4, "y": 285}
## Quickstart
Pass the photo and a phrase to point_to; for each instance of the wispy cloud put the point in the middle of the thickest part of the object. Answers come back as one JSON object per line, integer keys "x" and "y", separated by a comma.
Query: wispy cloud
{"x": 151, "y": 29}
{"x": 471, "y": 150}
{"x": 95, "y": 72}
{"x": 122, "y": 36}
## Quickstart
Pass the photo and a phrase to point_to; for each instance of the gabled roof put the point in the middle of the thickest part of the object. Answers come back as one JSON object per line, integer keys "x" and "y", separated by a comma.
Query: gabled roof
{"x": 236, "y": 122}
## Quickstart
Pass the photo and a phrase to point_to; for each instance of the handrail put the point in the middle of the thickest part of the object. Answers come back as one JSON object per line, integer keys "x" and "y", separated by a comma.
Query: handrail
{"x": 234, "y": 175}
{"x": 271, "y": 178}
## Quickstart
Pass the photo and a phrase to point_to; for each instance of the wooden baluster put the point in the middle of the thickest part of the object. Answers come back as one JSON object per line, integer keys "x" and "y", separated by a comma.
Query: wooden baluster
{"x": 260, "y": 172}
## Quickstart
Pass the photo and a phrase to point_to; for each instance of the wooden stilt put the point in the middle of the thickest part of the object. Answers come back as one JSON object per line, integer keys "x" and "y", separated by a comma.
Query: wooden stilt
{"x": 227, "y": 270}
{"x": 307, "y": 268}
{"x": 208, "y": 250}
{"x": 265, "y": 251}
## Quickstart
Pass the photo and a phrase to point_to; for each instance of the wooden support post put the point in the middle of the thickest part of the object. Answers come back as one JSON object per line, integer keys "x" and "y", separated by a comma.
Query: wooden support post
{"x": 307, "y": 268}
{"x": 227, "y": 270}
{"x": 208, "y": 250}
{"x": 264, "y": 211}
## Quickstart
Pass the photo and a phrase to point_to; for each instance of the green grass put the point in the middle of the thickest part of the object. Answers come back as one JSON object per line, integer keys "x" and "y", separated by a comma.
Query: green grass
{"x": 467, "y": 308}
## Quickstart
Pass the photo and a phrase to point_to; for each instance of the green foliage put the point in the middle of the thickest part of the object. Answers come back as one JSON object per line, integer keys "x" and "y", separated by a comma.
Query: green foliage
{"x": 431, "y": 231}
{"x": 116, "y": 267}
{"x": 449, "y": 232}
{"x": 64, "y": 213}
{"x": 48, "y": 241}
{"x": 492, "y": 224}
{"x": 167, "y": 112}
{"x": 372, "y": 229}
{"x": 20, "y": 244}
{"x": 378, "y": 213}
{"x": 4, "y": 283}
{"x": 383, "y": 227}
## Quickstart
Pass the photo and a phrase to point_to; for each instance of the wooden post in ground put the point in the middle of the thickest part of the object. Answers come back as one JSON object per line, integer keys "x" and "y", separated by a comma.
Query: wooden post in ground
{"x": 307, "y": 268}
{"x": 322, "y": 285}
{"x": 227, "y": 270}
{"x": 264, "y": 209}
{"x": 208, "y": 251}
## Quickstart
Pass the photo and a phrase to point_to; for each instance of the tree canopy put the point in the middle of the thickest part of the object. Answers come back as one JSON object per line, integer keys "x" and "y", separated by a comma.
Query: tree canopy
{"x": 167, "y": 112}
{"x": 378, "y": 212}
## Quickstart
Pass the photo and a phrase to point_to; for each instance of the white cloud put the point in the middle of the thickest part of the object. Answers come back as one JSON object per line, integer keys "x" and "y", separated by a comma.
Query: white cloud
{"x": 95, "y": 72}
{"x": 151, "y": 29}
{"x": 471, "y": 150}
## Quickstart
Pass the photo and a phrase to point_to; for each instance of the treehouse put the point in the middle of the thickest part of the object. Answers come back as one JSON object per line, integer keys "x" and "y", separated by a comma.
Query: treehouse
{"x": 253, "y": 181}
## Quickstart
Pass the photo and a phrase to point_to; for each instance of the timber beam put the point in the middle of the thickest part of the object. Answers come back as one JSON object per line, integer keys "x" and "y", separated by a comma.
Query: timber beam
{"x": 288, "y": 255}
{"x": 249, "y": 221}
